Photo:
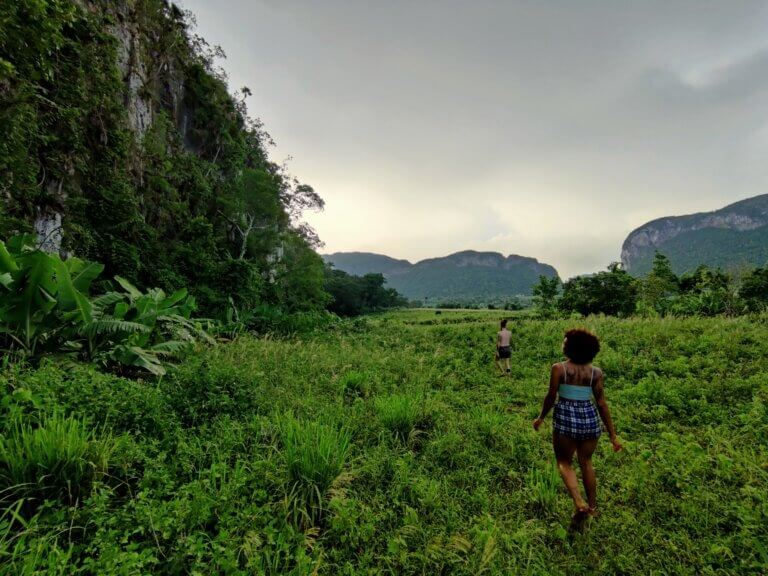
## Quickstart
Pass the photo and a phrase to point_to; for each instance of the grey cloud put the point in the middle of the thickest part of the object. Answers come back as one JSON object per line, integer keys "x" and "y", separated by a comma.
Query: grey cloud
{"x": 439, "y": 109}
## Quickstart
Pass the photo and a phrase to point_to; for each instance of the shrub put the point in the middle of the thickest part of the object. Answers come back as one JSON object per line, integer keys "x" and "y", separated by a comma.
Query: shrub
{"x": 314, "y": 457}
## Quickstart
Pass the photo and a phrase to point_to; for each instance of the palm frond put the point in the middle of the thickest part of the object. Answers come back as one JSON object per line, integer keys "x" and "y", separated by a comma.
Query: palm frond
{"x": 170, "y": 348}
{"x": 114, "y": 326}
{"x": 106, "y": 300}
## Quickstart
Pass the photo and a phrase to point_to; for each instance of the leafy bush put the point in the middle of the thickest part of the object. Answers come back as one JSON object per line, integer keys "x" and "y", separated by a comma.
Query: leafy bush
{"x": 613, "y": 292}
{"x": 46, "y": 308}
{"x": 356, "y": 295}
{"x": 271, "y": 319}
{"x": 754, "y": 289}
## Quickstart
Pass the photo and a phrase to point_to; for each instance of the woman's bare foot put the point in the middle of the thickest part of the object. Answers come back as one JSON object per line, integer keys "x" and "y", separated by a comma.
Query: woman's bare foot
{"x": 580, "y": 516}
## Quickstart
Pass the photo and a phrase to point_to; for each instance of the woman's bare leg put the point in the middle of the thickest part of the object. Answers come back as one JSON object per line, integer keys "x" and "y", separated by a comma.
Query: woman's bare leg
{"x": 584, "y": 450}
{"x": 564, "y": 450}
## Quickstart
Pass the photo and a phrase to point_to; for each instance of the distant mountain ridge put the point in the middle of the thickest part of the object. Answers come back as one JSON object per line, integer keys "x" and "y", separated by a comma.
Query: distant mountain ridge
{"x": 462, "y": 276}
{"x": 361, "y": 263}
{"x": 731, "y": 237}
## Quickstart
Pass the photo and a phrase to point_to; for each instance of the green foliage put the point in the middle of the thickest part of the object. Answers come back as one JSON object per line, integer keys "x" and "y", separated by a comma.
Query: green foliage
{"x": 57, "y": 458}
{"x": 659, "y": 285}
{"x": 545, "y": 296}
{"x": 356, "y": 295}
{"x": 314, "y": 454}
{"x": 613, "y": 292}
{"x": 354, "y": 384}
{"x": 400, "y": 414}
{"x": 544, "y": 486}
{"x": 190, "y": 201}
{"x": 205, "y": 483}
{"x": 46, "y": 308}
{"x": 298, "y": 283}
{"x": 703, "y": 292}
{"x": 754, "y": 289}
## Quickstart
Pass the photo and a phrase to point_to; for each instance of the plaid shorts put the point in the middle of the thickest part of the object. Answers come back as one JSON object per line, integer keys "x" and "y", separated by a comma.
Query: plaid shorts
{"x": 577, "y": 419}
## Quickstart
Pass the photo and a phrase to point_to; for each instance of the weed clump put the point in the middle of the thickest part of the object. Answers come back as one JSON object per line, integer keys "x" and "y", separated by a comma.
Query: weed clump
{"x": 314, "y": 454}
{"x": 353, "y": 385}
{"x": 58, "y": 459}
{"x": 400, "y": 414}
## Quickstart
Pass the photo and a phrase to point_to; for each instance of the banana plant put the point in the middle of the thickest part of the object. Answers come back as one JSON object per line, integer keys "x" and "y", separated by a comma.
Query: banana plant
{"x": 27, "y": 316}
{"x": 152, "y": 326}
{"x": 46, "y": 308}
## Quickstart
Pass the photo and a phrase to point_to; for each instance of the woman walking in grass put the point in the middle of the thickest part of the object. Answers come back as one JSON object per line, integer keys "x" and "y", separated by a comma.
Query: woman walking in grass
{"x": 503, "y": 348}
{"x": 576, "y": 427}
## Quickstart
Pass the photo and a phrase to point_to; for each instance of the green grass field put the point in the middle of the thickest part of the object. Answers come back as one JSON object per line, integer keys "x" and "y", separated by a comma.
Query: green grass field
{"x": 390, "y": 445}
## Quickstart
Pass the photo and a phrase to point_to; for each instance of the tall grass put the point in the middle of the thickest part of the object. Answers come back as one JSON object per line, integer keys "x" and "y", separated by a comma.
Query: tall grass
{"x": 400, "y": 414}
{"x": 543, "y": 486}
{"x": 353, "y": 385}
{"x": 314, "y": 454}
{"x": 60, "y": 458}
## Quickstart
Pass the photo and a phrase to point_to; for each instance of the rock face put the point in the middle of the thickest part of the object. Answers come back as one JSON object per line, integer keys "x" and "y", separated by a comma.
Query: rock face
{"x": 463, "y": 276}
{"x": 148, "y": 75}
{"x": 714, "y": 238}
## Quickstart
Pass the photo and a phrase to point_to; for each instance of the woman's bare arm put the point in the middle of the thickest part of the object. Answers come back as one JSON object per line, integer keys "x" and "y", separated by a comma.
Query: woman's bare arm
{"x": 605, "y": 413}
{"x": 549, "y": 399}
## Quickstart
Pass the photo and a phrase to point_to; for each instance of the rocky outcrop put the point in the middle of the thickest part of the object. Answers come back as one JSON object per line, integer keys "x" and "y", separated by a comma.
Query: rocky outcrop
{"x": 746, "y": 215}
{"x": 133, "y": 69}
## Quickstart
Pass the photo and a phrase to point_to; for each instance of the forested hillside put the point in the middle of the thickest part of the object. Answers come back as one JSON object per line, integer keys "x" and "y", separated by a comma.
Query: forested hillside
{"x": 464, "y": 277}
{"x": 732, "y": 238}
{"x": 121, "y": 143}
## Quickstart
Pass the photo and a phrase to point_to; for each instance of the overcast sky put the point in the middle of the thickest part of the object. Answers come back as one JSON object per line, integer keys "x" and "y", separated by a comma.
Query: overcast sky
{"x": 543, "y": 128}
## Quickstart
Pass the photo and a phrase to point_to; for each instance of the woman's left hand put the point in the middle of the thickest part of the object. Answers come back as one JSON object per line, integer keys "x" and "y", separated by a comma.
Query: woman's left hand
{"x": 537, "y": 424}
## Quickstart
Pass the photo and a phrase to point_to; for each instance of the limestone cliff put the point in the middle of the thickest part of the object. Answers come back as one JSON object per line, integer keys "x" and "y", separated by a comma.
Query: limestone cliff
{"x": 730, "y": 235}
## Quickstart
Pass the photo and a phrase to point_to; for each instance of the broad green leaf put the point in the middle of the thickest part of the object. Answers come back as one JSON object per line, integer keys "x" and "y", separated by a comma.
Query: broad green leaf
{"x": 7, "y": 262}
{"x": 83, "y": 273}
{"x": 115, "y": 326}
{"x": 106, "y": 300}
{"x": 71, "y": 299}
{"x": 32, "y": 298}
{"x": 21, "y": 244}
{"x": 170, "y": 348}
{"x": 141, "y": 358}
{"x": 121, "y": 309}
{"x": 128, "y": 287}
{"x": 174, "y": 299}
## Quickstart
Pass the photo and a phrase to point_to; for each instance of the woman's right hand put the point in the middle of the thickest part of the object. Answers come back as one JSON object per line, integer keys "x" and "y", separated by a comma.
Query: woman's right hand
{"x": 616, "y": 444}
